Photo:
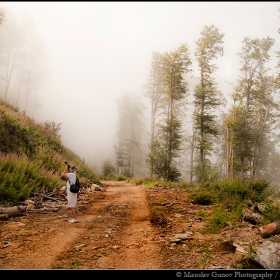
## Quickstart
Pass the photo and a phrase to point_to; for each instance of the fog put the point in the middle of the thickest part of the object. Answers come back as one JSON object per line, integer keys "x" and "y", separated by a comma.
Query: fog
{"x": 97, "y": 51}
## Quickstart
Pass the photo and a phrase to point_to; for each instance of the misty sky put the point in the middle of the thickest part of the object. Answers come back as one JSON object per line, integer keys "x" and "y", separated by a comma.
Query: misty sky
{"x": 100, "y": 50}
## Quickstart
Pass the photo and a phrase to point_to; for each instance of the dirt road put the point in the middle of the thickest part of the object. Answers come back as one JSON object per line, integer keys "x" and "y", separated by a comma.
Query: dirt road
{"x": 114, "y": 232}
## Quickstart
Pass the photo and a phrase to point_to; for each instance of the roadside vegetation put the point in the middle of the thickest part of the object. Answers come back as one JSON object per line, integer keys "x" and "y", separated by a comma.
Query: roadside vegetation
{"x": 229, "y": 198}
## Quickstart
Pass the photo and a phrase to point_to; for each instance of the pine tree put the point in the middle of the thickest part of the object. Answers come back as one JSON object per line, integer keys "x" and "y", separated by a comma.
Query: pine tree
{"x": 207, "y": 98}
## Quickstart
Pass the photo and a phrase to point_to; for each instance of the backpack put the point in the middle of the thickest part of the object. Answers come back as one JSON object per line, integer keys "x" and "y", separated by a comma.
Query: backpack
{"x": 74, "y": 188}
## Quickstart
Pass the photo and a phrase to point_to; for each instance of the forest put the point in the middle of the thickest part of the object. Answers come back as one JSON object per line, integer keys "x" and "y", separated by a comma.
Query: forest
{"x": 190, "y": 138}
{"x": 242, "y": 143}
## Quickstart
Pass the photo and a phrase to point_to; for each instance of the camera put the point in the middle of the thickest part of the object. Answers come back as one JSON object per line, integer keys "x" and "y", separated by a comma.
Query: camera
{"x": 68, "y": 165}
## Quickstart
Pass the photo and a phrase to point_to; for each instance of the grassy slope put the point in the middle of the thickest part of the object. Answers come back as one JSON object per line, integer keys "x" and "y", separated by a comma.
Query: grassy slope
{"x": 32, "y": 156}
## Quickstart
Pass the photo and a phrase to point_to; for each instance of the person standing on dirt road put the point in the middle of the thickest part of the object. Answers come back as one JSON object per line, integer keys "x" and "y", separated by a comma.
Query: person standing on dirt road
{"x": 69, "y": 175}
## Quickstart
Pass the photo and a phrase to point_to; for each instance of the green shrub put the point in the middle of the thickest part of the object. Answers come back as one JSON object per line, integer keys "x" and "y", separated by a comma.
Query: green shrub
{"x": 108, "y": 169}
{"x": 270, "y": 207}
{"x": 201, "y": 198}
{"x": 217, "y": 221}
{"x": 232, "y": 197}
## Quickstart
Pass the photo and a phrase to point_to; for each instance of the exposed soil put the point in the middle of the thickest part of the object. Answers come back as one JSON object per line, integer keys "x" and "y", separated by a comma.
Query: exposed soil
{"x": 125, "y": 226}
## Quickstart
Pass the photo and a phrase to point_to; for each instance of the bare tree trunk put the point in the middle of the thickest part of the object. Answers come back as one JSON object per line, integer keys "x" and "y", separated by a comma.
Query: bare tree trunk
{"x": 20, "y": 83}
{"x": 10, "y": 72}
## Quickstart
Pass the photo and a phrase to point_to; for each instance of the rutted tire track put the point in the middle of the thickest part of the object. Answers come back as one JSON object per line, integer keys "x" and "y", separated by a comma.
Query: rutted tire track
{"x": 120, "y": 235}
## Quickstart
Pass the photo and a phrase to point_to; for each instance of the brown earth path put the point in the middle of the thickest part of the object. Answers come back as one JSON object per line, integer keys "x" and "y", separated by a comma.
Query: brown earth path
{"x": 114, "y": 232}
{"x": 117, "y": 232}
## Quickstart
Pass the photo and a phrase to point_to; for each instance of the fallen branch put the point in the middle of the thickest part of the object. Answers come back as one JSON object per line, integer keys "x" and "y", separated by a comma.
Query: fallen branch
{"x": 170, "y": 204}
{"x": 43, "y": 210}
{"x": 48, "y": 197}
{"x": 6, "y": 212}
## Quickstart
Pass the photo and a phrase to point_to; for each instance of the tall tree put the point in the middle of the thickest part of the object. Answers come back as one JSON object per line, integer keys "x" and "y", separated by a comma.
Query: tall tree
{"x": 251, "y": 120}
{"x": 11, "y": 42}
{"x": 154, "y": 90}
{"x": 32, "y": 68}
{"x": 207, "y": 97}
{"x": 2, "y": 15}
{"x": 165, "y": 147}
{"x": 129, "y": 153}
{"x": 22, "y": 59}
